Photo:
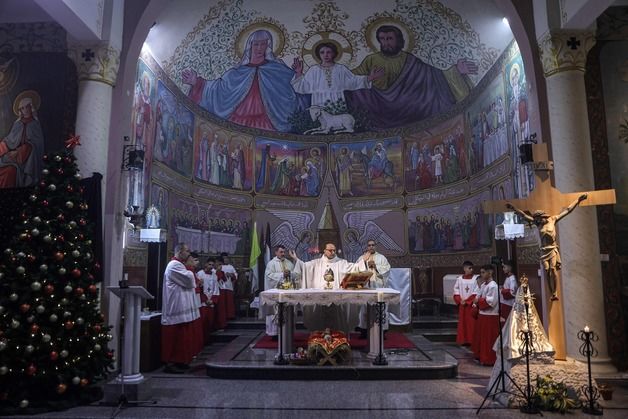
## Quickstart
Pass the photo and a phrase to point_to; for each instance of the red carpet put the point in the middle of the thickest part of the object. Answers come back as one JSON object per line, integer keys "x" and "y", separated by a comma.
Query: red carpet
{"x": 393, "y": 340}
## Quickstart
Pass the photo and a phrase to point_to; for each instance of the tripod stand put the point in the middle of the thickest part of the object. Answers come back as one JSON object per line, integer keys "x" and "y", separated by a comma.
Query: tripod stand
{"x": 494, "y": 390}
{"x": 133, "y": 312}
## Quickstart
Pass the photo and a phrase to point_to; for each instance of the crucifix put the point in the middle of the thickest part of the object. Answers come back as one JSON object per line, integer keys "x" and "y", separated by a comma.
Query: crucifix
{"x": 545, "y": 206}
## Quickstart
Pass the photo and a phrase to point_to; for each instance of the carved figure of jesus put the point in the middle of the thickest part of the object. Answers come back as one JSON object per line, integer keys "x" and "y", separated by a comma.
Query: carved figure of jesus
{"x": 546, "y": 224}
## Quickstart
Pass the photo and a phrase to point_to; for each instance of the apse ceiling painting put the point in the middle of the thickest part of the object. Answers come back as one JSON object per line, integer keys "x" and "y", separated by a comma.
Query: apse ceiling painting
{"x": 331, "y": 67}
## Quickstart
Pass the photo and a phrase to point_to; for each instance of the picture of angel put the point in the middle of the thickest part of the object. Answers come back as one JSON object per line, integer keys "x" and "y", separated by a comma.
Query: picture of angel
{"x": 381, "y": 225}
{"x": 293, "y": 229}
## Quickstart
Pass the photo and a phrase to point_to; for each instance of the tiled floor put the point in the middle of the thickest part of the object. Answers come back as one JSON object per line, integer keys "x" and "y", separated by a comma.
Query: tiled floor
{"x": 194, "y": 395}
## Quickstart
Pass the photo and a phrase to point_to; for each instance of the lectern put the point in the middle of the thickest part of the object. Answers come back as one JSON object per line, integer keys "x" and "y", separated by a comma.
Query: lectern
{"x": 130, "y": 306}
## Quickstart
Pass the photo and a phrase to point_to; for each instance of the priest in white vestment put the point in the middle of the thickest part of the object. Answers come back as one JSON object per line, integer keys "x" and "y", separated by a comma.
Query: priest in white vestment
{"x": 278, "y": 270}
{"x": 312, "y": 272}
{"x": 374, "y": 262}
{"x": 179, "y": 312}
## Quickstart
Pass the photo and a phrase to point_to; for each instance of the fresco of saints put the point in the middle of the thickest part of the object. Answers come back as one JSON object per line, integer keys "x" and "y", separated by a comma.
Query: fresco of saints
{"x": 343, "y": 172}
{"x": 22, "y": 149}
{"x": 238, "y": 167}
{"x": 256, "y": 93}
{"x": 142, "y": 110}
{"x": 410, "y": 90}
{"x": 327, "y": 81}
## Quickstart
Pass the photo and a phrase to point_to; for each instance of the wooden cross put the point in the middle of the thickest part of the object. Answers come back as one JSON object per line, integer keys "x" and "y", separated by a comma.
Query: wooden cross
{"x": 547, "y": 198}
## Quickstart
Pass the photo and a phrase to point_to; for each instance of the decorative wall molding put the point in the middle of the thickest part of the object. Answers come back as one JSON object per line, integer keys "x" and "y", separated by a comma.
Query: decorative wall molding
{"x": 565, "y": 51}
{"x": 95, "y": 62}
{"x": 32, "y": 37}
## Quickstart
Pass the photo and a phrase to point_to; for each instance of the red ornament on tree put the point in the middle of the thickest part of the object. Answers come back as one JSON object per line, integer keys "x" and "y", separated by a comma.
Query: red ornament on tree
{"x": 25, "y": 307}
{"x": 34, "y": 328}
{"x": 44, "y": 203}
{"x": 31, "y": 369}
{"x": 31, "y": 258}
{"x": 69, "y": 189}
{"x": 79, "y": 291}
{"x": 82, "y": 221}
{"x": 76, "y": 273}
{"x": 61, "y": 388}
{"x": 90, "y": 277}
{"x": 49, "y": 289}
{"x": 69, "y": 325}
{"x": 97, "y": 266}
{"x": 92, "y": 289}
{"x": 84, "y": 382}
{"x": 97, "y": 328}
{"x": 59, "y": 256}
{"x": 61, "y": 217}
{"x": 61, "y": 238}
{"x": 54, "y": 356}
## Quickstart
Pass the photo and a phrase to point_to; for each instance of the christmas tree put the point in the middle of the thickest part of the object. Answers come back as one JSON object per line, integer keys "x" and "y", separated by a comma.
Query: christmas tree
{"x": 53, "y": 343}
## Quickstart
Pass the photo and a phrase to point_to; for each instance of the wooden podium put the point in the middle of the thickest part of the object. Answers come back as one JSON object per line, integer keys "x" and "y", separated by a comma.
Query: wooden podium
{"x": 130, "y": 306}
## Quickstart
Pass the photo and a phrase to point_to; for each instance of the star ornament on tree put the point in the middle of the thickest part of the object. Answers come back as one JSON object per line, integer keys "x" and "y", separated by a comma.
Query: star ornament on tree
{"x": 73, "y": 142}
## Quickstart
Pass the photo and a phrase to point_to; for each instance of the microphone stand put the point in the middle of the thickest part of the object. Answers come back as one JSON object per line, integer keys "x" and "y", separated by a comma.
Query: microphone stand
{"x": 501, "y": 377}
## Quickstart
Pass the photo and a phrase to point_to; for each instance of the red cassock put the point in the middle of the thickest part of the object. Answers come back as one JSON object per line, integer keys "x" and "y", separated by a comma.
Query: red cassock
{"x": 487, "y": 327}
{"x": 465, "y": 290}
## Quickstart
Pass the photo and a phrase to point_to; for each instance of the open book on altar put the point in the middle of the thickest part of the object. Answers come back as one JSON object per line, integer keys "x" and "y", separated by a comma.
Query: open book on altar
{"x": 356, "y": 280}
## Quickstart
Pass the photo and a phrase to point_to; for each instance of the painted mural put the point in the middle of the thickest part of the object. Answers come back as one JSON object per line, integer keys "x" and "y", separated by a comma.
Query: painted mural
{"x": 364, "y": 168}
{"x": 383, "y": 226}
{"x": 293, "y": 229}
{"x": 143, "y": 130}
{"x": 222, "y": 158}
{"x": 277, "y": 105}
{"x": 289, "y": 168}
{"x": 345, "y": 73}
{"x": 209, "y": 228}
{"x": 518, "y": 122}
{"x": 454, "y": 227}
{"x": 173, "y": 132}
{"x": 487, "y": 121}
{"x": 37, "y": 112}
{"x": 437, "y": 156}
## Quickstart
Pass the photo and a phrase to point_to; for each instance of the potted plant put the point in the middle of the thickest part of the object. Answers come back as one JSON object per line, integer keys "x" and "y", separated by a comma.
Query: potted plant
{"x": 553, "y": 396}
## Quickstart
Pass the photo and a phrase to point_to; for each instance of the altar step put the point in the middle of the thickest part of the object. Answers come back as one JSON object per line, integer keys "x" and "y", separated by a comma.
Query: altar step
{"x": 239, "y": 359}
{"x": 434, "y": 328}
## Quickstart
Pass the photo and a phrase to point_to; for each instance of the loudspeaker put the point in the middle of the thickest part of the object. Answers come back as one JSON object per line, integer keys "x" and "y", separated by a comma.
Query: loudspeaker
{"x": 525, "y": 153}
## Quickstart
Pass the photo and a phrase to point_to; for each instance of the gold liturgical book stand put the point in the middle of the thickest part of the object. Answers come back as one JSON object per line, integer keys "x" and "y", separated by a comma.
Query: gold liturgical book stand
{"x": 356, "y": 280}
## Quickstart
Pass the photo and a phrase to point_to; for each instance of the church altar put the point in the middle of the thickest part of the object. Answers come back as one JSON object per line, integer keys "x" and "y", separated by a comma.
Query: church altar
{"x": 319, "y": 297}
{"x": 207, "y": 241}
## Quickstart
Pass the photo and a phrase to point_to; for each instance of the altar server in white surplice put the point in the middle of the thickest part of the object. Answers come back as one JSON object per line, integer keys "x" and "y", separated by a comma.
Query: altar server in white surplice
{"x": 376, "y": 263}
{"x": 278, "y": 270}
{"x": 312, "y": 276}
{"x": 179, "y": 313}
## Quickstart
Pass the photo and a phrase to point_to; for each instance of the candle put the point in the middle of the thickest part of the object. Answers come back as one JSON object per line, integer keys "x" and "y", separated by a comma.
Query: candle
{"x": 380, "y": 296}
{"x": 281, "y": 297}
{"x": 126, "y": 276}
{"x": 586, "y": 329}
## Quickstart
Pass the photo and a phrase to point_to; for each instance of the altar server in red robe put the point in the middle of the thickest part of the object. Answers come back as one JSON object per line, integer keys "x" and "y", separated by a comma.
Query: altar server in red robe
{"x": 487, "y": 326}
{"x": 465, "y": 291}
{"x": 179, "y": 313}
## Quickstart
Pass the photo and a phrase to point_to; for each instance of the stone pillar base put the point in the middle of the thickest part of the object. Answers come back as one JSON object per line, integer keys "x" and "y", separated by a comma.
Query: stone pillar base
{"x": 139, "y": 391}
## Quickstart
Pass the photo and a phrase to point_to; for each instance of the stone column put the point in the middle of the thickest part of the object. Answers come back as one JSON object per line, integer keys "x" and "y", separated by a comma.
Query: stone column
{"x": 97, "y": 67}
{"x": 563, "y": 55}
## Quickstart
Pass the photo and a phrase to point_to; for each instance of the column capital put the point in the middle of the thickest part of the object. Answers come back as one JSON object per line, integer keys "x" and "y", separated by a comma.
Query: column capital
{"x": 95, "y": 61}
{"x": 565, "y": 50}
